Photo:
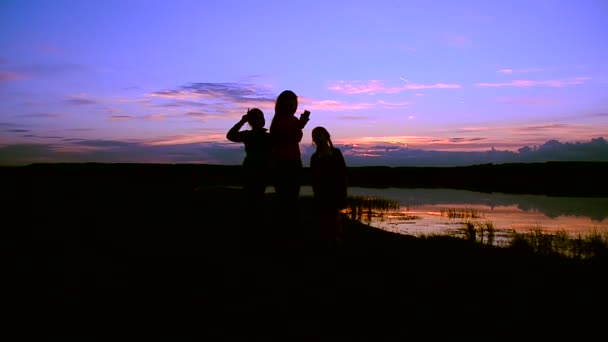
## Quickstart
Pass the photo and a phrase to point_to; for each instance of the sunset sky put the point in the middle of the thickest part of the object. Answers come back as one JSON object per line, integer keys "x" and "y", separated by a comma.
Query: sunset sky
{"x": 163, "y": 81}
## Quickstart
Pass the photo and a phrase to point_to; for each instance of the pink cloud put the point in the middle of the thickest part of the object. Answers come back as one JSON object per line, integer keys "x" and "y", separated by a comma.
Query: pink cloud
{"x": 81, "y": 100}
{"x": 49, "y": 49}
{"x": 375, "y": 86}
{"x": 113, "y": 110}
{"x": 334, "y": 105}
{"x": 188, "y": 139}
{"x": 7, "y": 76}
{"x": 353, "y": 117}
{"x": 530, "y": 100}
{"x": 155, "y": 117}
{"x": 331, "y": 105}
{"x": 457, "y": 40}
{"x": 394, "y": 104}
{"x": 437, "y": 143}
{"x": 476, "y": 138}
{"x": 199, "y": 115}
{"x": 358, "y": 87}
{"x": 523, "y": 70}
{"x": 389, "y": 140}
{"x": 415, "y": 86}
{"x": 531, "y": 83}
{"x": 122, "y": 117}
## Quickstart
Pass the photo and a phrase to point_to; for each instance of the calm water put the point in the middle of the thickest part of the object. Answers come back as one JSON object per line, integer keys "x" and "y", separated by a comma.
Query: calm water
{"x": 444, "y": 211}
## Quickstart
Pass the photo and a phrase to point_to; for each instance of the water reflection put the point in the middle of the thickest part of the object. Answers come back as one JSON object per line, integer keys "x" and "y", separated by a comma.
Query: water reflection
{"x": 447, "y": 211}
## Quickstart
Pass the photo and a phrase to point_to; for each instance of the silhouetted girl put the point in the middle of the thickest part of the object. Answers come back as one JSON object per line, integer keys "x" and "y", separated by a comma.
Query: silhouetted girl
{"x": 257, "y": 151}
{"x": 286, "y": 134}
{"x": 329, "y": 184}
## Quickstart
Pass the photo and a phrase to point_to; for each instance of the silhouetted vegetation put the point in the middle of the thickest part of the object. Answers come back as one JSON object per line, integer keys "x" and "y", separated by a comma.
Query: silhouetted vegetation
{"x": 584, "y": 179}
{"x": 167, "y": 249}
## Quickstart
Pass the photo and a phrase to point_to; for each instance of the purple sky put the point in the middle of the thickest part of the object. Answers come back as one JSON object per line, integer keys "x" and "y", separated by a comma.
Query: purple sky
{"x": 163, "y": 81}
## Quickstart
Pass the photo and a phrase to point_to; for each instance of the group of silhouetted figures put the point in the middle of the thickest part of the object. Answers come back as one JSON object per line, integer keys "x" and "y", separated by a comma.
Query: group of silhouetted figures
{"x": 273, "y": 158}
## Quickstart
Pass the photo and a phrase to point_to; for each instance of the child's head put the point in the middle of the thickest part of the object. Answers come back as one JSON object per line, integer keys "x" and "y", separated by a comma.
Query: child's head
{"x": 321, "y": 137}
{"x": 255, "y": 118}
{"x": 286, "y": 104}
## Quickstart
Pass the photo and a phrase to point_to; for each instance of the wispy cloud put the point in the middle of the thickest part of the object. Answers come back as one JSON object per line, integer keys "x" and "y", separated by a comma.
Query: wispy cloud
{"x": 514, "y": 129}
{"x": 49, "y": 49}
{"x": 533, "y": 83}
{"x": 381, "y": 145}
{"x": 217, "y": 98}
{"x": 81, "y": 100}
{"x": 150, "y": 117}
{"x": 380, "y": 45}
{"x": 390, "y": 104}
{"x": 332, "y": 105}
{"x": 454, "y": 39}
{"x": 545, "y": 127}
{"x": 49, "y": 69}
{"x": 235, "y": 92}
{"x": 188, "y": 139}
{"x": 529, "y": 100}
{"x": 199, "y": 115}
{"x": 42, "y": 115}
{"x": 517, "y": 71}
{"x": 389, "y": 140}
{"x": 353, "y": 117}
{"x": 155, "y": 117}
{"x": 122, "y": 117}
{"x": 8, "y": 76}
{"x": 378, "y": 87}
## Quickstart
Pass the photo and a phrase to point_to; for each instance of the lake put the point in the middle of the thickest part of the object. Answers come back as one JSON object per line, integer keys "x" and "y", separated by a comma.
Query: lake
{"x": 445, "y": 211}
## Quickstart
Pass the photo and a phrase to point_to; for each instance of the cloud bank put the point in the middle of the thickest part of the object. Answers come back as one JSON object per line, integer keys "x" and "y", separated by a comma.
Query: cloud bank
{"x": 110, "y": 151}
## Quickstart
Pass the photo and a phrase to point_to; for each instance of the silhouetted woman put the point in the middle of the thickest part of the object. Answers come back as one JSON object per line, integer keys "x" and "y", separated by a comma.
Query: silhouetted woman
{"x": 286, "y": 134}
{"x": 329, "y": 184}
{"x": 257, "y": 152}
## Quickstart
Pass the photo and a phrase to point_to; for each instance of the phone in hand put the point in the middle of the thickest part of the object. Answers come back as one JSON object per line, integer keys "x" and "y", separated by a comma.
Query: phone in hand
{"x": 306, "y": 114}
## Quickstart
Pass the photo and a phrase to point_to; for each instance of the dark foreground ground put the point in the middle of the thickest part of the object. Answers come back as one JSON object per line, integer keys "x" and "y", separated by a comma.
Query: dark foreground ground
{"x": 121, "y": 258}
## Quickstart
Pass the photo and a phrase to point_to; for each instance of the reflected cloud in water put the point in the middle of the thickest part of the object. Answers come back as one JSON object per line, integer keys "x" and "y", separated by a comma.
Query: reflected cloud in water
{"x": 445, "y": 211}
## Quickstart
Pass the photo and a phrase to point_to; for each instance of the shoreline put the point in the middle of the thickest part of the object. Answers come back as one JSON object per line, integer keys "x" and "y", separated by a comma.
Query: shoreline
{"x": 568, "y": 179}
{"x": 171, "y": 261}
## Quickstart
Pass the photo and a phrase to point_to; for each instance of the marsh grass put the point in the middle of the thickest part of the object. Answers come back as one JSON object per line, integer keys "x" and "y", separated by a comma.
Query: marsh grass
{"x": 538, "y": 241}
{"x": 481, "y": 232}
{"x": 579, "y": 246}
{"x": 462, "y": 213}
{"x": 364, "y": 208}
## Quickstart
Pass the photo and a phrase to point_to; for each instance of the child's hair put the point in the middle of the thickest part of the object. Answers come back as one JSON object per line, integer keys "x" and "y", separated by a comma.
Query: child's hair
{"x": 255, "y": 118}
{"x": 286, "y": 103}
{"x": 319, "y": 132}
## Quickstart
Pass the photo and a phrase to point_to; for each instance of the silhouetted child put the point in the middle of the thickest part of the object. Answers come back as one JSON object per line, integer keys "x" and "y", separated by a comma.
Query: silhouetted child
{"x": 329, "y": 184}
{"x": 286, "y": 134}
{"x": 257, "y": 152}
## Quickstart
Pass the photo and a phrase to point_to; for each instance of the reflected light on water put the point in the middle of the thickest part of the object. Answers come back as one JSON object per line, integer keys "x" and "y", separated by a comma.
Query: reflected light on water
{"x": 505, "y": 220}
{"x": 445, "y": 211}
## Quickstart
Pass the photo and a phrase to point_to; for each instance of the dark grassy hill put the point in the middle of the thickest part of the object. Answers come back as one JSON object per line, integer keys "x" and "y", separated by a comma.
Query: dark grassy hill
{"x": 108, "y": 252}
